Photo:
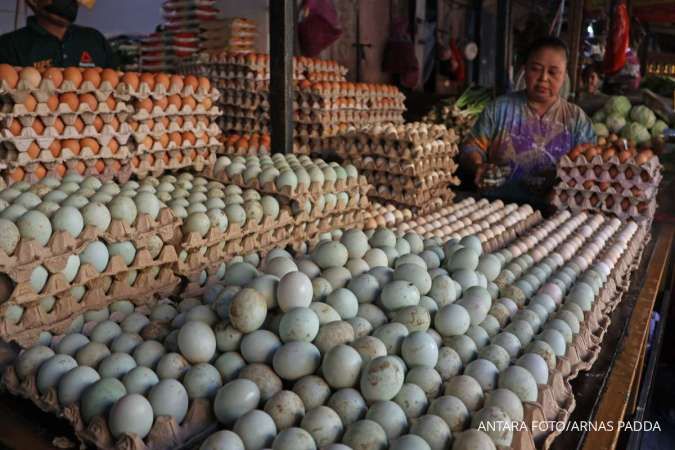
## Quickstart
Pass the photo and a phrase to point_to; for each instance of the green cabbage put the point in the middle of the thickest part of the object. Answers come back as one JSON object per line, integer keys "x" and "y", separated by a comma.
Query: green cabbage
{"x": 658, "y": 128}
{"x": 599, "y": 116}
{"x": 636, "y": 132}
{"x": 618, "y": 105}
{"x": 615, "y": 123}
{"x": 643, "y": 115}
{"x": 601, "y": 129}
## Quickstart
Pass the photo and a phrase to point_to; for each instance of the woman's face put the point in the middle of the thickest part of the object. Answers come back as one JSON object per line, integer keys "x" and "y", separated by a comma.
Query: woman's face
{"x": 593, "y": 83}
{"x": 545, "y": 74}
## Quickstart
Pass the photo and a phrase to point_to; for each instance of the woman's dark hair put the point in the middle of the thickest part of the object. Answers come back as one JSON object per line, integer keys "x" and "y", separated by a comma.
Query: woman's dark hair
{"x": 590, "y": 70}
{"x": 547, "y": 42}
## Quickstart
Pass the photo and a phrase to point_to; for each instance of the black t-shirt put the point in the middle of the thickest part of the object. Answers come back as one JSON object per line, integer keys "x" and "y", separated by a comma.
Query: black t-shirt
{"x": 35, "y": 46}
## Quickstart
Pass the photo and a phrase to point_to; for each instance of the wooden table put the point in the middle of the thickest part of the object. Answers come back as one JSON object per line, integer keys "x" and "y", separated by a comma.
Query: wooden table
{"x": 607, "y": 392}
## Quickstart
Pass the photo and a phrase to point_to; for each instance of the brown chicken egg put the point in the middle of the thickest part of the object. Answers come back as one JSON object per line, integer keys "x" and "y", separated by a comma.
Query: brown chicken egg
{"x": 135, "y": 161}
{"x": 115, "y": 124}
{"x": 30, "y": 103}
{"x": 17, "y": 174}
{"x": 58, "y": 125}
{"x": 74, "y": 75}
{"x": 176, "y": 138}
{"x": 177, "y": 82}
{"x": 162, "y": 79}
{"x": 53, "y": 102}
{"x": 113, "y": 145}
{"x": 116, "y": 166}
{"x": 15, "y": 127}
{"x": 55, "y": 75}
{"x": 89, "y": 100}
{"x": 70, "y": 99}
{"x": 33, "y": 150}
{"x": 148, "y": 79}
{"x": 92, "y": 76}
{"x": 40, "y": 171}
{"x": 79, "y": 124}
{"x": 132, "y": 80}
{"x": 189, "y": 137}
{"x": 60, "y": 169}
{"x": 99, "y": 166}
{"x": 111, "y": 77}
{"x": 175, "y": 100}
{"x": 31, "y": 76}
{"x": 38, "y": 126}
{"x": 55, "y": 148}
{"x": 162, "y": 102}
{"x": 644, "y": 156}
{"x": 111, "y": 102}
{"x": 144, "y": 104}
{"x": 72, "y": 145}
{"x": 8, "y": 75}
{"x": 192, "y": 82}
{"x": 190, "y": 102}
{"x": 98, "y": 123}
{"x": 204, "y": 84}
{"x": 80, "y": 167}
{"x": 92, "y": 144}
{"x": 164, "y": 140}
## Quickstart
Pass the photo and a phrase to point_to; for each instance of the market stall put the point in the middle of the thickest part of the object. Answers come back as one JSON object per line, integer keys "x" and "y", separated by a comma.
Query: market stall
{"x": 171, "y": 279}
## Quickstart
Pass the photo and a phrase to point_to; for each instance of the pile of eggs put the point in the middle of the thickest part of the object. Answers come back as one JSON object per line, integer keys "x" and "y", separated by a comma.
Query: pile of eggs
{"x": 76, "y": 220}
{"x": 373, "y": 340}
{"x": 609, "y": 178}
{"x": 287, "y": 175}
{"x": 247, "y": 144}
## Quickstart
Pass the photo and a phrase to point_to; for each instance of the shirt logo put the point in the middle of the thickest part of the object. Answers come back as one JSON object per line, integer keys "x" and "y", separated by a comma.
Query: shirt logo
{"x": 86, "y": 60}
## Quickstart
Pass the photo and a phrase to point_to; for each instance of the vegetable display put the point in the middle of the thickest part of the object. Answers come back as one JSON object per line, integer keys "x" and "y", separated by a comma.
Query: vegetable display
{"x": 461, "y": 114}
{"x": 638, "y": 124}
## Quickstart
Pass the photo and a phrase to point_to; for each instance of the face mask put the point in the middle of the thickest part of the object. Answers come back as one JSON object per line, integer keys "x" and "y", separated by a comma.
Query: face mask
{"x": 66, "y": 9}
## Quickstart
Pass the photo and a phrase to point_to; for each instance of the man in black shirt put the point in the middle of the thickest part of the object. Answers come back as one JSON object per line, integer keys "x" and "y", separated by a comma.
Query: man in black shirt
{"x": 51, "y": 39}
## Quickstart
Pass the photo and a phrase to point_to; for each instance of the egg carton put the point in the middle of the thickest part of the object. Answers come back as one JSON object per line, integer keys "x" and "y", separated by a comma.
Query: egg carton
{"x": 620, "y": 206}
{"x": 104, "y": 169}
{"x": 512, "y": 232}
{"x": 165, "y": 433}
{"x": 625, "y": 176}
{"x": 241, "y": 125}
{"x": 158, "y": 129}
{"x": 244, "y": 100}
{"x": 47, "y": 89}
{"x": 247, "y": 85}
{"x": 156, "y": 164}
{"x": 24, "y": 295}
{"x": 642, "y": 193}
{"x": 401, "y": 183}
{"x": 357, "y": 201}
{"x": 414, "y": 198}
{"x": 309, "y": 234}
{"x": 35, "y": 320}
{"x": 42, "y": 109}
{"x": 233, "y": 111}
{"x": 246, "y": 144}
{"x": 234, "y": 231}
{"x": 652, "y": 165}
{"x": 105, "y": 132}
{"x": 46, "y": 156}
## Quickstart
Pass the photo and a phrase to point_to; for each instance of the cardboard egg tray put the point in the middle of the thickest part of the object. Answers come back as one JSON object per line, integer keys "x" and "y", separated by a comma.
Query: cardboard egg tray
{"x": 246, "y": 144}
{"x": 244, "y": 100}
{"x": 29, "y": 253}
{"x": 308, "y": 235}
{"x": 404, "y": 183}
{"x": 191, "y": 241}
{"x": 33, "y": 172}
{"x": 421, "y": 202}
{"x": 512, "y": 232}
{"x": 46, "y": 89}
{"x": 18, "y": 110}
{"x": 243, "y": 125}
{"x": 301, "y": 193}
{"x": 68, "y": 119}
{"x": 414, "y": 169}
{"x": 165, "y": 433}
{"x": 173, "y": 110}
{"x": 201, "y": 142}
{"x": 652, "y": 166}
{"x": 29, "y": 135}
{"x": 22, "y": 158}
{"x": 157, "y": 278}
{"x": 623, "y": 177}
{"x": 155, "y": 164}
{"x": 621, "y": 206}
{"x": 236, "y": 112}
{"x": 158, "y": 131}
{"x": 126, "y": 91}
{"x": 643, "y": 191}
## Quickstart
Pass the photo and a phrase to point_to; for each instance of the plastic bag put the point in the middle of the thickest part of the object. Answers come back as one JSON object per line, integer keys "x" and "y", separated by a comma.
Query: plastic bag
{"x": 617, "y": 44}
{"x": 319, "y": 27}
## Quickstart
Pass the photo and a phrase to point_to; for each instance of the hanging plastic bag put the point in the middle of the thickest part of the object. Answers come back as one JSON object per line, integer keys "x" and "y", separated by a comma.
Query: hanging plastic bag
{"x": 617, "y": 41}
{"x": 319, "y": 26}
{"x": 399, "y": 55}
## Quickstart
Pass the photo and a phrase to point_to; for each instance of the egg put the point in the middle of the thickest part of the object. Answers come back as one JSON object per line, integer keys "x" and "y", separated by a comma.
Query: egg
{"x": 8, "y": 75}
{"x": 73, "y": 75}
{"x": 132, "y": 80}
{"x": 111, "y": 77}
{"x": 131, "y": 414}
{"x": 31, "y": 76}
{"x": 91, "y": 76}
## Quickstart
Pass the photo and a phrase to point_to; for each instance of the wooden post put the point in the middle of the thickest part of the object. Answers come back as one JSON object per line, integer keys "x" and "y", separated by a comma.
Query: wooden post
{"x": 503, "y": 42}
{"x": 282, "y": 35}
{"x": 576, "y": 13}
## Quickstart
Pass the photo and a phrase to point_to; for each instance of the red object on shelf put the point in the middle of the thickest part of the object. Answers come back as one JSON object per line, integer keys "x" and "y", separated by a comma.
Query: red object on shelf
{"x": 319, "y": 27}
{"x": 618, "y": 40}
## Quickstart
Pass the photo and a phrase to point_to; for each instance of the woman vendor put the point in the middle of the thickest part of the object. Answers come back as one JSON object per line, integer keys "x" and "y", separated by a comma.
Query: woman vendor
{"x": 521, "y": 136}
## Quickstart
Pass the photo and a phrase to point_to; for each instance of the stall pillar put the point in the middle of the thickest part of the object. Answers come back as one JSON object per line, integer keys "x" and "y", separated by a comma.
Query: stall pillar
{"x": 282, "y": 34}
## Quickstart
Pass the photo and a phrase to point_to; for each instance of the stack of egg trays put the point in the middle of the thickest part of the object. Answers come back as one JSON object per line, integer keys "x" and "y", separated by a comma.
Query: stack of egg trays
{"x": 173, "y": 128}
{"x": 27, "y": 313}
{"x": 31, "y": 156}
{"x": 626, "y": 190}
